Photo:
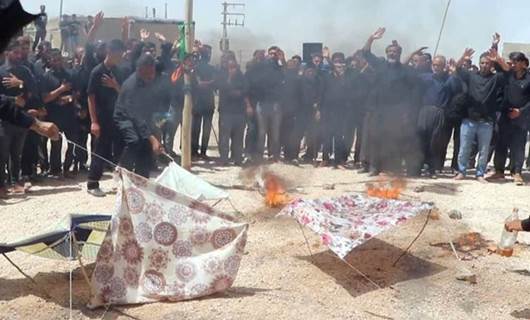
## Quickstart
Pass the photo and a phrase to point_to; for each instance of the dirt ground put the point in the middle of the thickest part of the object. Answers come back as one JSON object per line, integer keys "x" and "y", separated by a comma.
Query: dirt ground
{"x": 278, "y": 278}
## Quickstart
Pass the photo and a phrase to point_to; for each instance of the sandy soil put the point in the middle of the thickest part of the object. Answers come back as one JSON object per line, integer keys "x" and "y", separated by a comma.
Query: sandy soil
{"x": 278, "y": 278}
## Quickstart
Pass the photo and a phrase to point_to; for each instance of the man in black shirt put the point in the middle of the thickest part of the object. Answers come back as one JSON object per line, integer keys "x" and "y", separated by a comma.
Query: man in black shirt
{"x": 59, "y": 95}
{"x": 291, "y": 102}
{"x": 103, "y": 89}
{"x": 266, "y": 83}
{"x": 40, "y": 26}
{"x": 203, "y": 104}
{"x": 483, "y": 92}
{"x": 17, "y": 81}
{"x": 335, "y": 108}
{"x": 233, "y": 104}
{"x": 133, "y": 116}
{"x": 514, "y": 121}
{"x": 309, "y": 116}
{"x": 396, "y": 103}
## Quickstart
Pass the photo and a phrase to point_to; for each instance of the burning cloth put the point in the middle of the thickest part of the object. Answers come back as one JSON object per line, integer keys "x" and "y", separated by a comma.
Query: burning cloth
{"x": 346, "y": 222}
{"x": 164, "y": 246}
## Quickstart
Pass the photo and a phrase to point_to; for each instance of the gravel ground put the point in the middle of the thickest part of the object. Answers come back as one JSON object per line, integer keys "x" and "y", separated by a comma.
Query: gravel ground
{"x": 278, "y": 278}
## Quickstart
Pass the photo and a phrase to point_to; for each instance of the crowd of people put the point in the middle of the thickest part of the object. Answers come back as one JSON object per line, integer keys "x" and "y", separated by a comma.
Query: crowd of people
{"x": 387, "y": 114}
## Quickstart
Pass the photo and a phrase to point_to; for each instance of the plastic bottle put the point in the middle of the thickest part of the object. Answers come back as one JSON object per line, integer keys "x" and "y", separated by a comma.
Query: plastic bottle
{"x": 508, "y": 238}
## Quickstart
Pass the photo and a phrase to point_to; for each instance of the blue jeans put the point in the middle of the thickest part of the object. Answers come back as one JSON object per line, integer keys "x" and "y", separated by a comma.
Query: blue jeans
{"x": 469, "y": 132}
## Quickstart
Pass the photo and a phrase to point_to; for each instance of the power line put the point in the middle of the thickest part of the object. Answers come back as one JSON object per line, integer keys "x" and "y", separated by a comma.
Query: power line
{"x": 231, "y": 19}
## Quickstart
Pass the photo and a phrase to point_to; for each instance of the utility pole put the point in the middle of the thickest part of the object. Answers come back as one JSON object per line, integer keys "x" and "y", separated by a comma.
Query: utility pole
{"x": 165, "y": 11}
{"x": 61, "y": 11}
{"x": 239, "y": 21}
{"x": 188, "y": 101}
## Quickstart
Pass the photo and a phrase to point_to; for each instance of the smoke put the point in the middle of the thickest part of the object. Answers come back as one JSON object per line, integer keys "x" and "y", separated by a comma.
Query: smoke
{"x": 345, "y": 25}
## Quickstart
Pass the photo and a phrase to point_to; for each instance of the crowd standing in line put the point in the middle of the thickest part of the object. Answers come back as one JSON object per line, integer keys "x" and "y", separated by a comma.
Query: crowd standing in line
{"x": 390, "y": 114}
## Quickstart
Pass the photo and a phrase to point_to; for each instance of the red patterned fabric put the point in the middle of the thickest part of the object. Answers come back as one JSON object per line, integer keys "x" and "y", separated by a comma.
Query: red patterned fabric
{"x": 164, "y": 246}
{"x": 347, "y": 221}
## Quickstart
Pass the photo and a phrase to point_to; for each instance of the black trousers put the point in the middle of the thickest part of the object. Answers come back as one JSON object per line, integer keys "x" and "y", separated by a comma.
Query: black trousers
{"x": 313, "y": 136}
{"x": 231, "y": 131}
{"x": 334, "y": 136}
{"x": 30, "y": 154}
{"x": 251, "y": 136}
{"x": 201, "y": 120}
{"x": 71, "y": 134}
{"x": 434, "y": 133}
{"x": 289, "y": 136}
{"x": 511, "y": 138}
{"x": 109, "y": 145}
{"x": 40, "y": 35}
{"x": 138, "y": 157}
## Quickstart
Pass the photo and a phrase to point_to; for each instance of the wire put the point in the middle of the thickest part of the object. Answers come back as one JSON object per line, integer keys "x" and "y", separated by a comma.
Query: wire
{"x": 442, "y": 27}
{"x": 92, "y": 153}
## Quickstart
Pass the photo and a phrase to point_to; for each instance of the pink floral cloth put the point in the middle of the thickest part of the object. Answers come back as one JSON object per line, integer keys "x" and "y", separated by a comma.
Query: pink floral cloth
{"x": 164, "y": 246}
{"x": 345, "y": 222}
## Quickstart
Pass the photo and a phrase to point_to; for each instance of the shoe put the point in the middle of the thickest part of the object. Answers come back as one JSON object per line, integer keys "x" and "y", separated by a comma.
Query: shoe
{"x": 459, "y": 176}
{"x": 18, "y": 189}
{"x": 3, "y": 193}
{"x": 97, "y": 192}
{"x": 482, "y": 180}
{"x": 323, "y": 164}
{"x": 497, "y": 175}
{"x": 363, "y": 170}
{"x": 518, "y": 179}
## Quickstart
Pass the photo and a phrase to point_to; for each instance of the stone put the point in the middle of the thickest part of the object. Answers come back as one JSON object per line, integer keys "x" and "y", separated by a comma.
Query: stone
{"x": 455, "y": 215}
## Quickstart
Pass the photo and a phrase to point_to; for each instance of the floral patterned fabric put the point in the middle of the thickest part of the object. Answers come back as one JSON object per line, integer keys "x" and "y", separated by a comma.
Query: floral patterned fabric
{"x": 345, "y": 222}
{"x": 164, "y": 246}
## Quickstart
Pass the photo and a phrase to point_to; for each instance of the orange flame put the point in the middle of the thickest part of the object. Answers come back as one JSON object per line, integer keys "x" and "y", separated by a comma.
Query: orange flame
{"x": 275, "y": 194}
{"x": 386, "y": 189}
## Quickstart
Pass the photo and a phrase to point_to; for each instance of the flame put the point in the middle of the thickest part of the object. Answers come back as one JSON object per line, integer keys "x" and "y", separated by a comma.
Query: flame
{"x": 386, "y": 189}
{"x": 275, "y": 194}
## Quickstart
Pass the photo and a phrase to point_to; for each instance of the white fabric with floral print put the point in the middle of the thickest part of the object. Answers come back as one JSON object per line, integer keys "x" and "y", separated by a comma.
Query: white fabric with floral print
{"x": 345, "y": 222}
{"x": 164, "y": 246}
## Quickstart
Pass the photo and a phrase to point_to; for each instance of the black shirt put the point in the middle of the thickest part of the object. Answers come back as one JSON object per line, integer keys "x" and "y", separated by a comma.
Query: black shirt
{"x": 266, "y": 80}
{"x": 232, "y": 93}
{"x": 12, "y": 114}
{"x": 292, "y": 92}
{"x": 23, "y": 73}
{"x": 105, "y": 97}
{"x": 134, "y": 110}
{"x": 483, "y": 92}
{"x": 336, "y": 92}
{"x": 395, "y": 84}
{"x": 205, "y": 95}
{"x": 41, "y": 22}
{"x": 517, "y": 95}
{"x": 62, "y": 113}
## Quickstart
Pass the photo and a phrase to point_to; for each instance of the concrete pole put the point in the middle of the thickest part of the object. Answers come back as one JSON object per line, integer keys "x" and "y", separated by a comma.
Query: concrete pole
{"x": 61, "y": 10}
{"x": 188, "y": 101}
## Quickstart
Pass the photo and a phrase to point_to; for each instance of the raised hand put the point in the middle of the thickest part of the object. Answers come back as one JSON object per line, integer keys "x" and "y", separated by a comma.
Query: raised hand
{"x": 451, "y": 66}
{"x": 378, "y": 34}
{"x": 98, "y": 19}
{"x": 160, "y": 37}
{"x": 144, "y": 34}
{"x": 496, "y": 39}
{"x": 468, "y": 54}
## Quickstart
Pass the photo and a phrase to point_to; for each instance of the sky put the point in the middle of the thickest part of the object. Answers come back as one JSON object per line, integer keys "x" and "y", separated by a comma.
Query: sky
{"x": 343, "y": 25}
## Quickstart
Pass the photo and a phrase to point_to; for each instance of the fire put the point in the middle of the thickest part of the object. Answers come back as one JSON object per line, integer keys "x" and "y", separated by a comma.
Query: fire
{"x": 386, "y": 189}
{"x": 275, "y": 194}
